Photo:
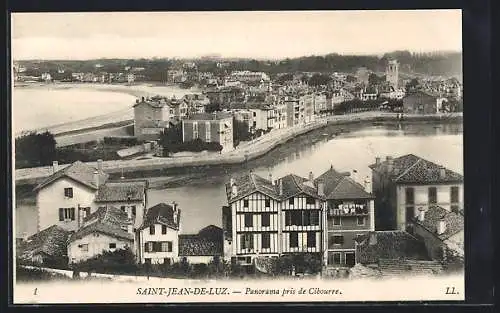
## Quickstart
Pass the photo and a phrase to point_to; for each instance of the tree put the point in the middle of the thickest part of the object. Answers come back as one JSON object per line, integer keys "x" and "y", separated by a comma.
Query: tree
{"x": 171, "y": 138}
{"x": 412, "y": 85}
{"x": 34, "y": 149}
{"x": 240, "y": 131}
{"x": 319, "y": 80}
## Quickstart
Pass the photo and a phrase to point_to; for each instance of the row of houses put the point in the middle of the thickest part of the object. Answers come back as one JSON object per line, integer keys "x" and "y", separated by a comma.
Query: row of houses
{"x": 410, "y": 214}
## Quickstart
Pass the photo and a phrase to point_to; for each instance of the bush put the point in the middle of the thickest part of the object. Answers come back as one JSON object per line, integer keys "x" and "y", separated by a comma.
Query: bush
{"x": 121, "y": 261}
{"x": 35, "y": 149}
{"x": 126, "y": 141}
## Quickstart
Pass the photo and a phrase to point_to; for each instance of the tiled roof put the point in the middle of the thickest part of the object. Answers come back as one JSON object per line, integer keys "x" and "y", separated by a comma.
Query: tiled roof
{"x": 108, "y": 215}
{"x": 454, "y": 222}
{"x": 250, "y": 183}
{"x": 210, "y": 116}
{"x": 102, "y": 228}
{"x": 79, "y": 172}
{"x": 121, "y": 191}
{"x": 413, "y": 169}
{"x": 396, "y": 267}
{"x": 341, "y": 186}
{"x": 208, "y": 242}
{"x": 294, "y": 185}
{"x": 250, "y": 105}
{"x": 389, "y": 245}
{"x": 52, "y": 241}
{"x": 151, "y": 103}
{"x": 163, "y": 214}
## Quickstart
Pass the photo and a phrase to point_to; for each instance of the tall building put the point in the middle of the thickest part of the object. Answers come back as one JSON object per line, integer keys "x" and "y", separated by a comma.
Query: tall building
{"x": 392, "y": 73}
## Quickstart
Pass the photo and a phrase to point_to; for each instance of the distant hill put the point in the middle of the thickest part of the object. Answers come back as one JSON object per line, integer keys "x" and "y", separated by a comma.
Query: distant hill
{"x": 435, "y": 64}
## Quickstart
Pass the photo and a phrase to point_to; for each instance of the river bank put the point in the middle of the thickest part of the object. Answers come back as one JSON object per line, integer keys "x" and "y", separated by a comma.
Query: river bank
{"x": 243, "y": 153}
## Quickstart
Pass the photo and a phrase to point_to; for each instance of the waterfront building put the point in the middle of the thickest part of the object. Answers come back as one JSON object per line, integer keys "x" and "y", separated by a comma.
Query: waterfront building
{"x": 209, "y": 127}
{"x": 107, "y": 229}
{"x": 74, "y": 192}
{"x": 151, "y": 117}
{"x": 349, "y": 214}
{"x": 405, "y": 185}
{"x": 281, "y": 113}
{"x": 392, "y": 74}
{"x": 293, "y": 214}
{"x": 442, "y": 231}
{"x": 258, "y": 115}
{"x": 422, "y": 102}
{"x": 178, "y": 109}
{"x": 158, "y": 236}
{"x": 202, "y": 247}
{"x": 196, "y": 102}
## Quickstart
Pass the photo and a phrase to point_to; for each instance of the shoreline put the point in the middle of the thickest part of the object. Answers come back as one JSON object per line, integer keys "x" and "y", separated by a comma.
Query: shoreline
{"x": 243, "y": 153}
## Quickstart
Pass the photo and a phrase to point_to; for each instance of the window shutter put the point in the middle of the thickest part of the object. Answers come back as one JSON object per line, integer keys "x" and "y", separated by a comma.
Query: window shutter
{"x": 146, "y": 247}
{"x": 72, "y": 214}
{"x": 61, "y": 214}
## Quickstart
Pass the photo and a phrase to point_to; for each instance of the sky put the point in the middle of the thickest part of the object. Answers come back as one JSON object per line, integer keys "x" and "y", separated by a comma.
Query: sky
{"x": 272, "y": 35}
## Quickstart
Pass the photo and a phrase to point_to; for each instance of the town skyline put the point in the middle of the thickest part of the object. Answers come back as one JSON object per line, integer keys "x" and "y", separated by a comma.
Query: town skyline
{"x": 278, "y": 35}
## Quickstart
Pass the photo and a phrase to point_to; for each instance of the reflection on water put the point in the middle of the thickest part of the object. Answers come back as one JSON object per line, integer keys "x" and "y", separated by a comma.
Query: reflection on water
{"x": 200, "y": 191}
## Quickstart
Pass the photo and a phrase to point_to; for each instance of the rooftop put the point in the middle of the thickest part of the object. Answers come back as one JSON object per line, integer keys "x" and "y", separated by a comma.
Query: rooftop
{"x": 78, "y": 172}
{"x": 342, "y": 186}
{"x": 413, "y": 169}
{"x": 163, "y": 214}
{"x": 210, "y": 116}
{"x": 50, "y": 241}
{"x": 208, "y": 242}
{"x": 121, "y": 191}
{"x": 454, "y": 222}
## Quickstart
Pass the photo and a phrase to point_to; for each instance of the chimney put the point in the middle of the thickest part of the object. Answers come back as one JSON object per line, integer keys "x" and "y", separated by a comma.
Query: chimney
{"x": 421, "y": 214}
{"x": 280, "y": 186}
{"x": 55, "y": 166}
{"x": 96, "y": 178}
{"x": 373, "y": 238}
{"x": 377, "y": 161}
{"x": 79, "y": 217}
{"x": 311, "y": 176}
{"x": 321, "y": 189}
{"x": 442, "y": 172}
{"x": 130, "y": 228}
{"x": 441, "y": 226}
{"x": 214, "y": 114}
{"x": 234, "y": 191}
{"x": 142, "y": 99}
{"x": 271, "y": 178}
{"x": 231, "y": 181}
{"x": 367, "y": 184}
{"x": 390, "y": 164}
{"x": 99, "y": 165}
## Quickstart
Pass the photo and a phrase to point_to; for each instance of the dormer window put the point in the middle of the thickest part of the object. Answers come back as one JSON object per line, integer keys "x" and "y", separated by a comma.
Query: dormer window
{"x": 68, "y": 192}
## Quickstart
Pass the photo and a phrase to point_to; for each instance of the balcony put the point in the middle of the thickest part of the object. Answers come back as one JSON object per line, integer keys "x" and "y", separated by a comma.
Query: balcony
{"x": 349, "y": 210}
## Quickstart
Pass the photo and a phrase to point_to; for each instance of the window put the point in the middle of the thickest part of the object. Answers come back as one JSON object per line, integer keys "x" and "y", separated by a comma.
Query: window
{"x": 152, "y": 229}
{"x": 248, "y": 220}
{"x": 195, "y": 130}
{"x": 267, "y": 203}
{"x": 166, "y": 246}
{"x": 290, "y": 201}
{"x": 410, "y": 214}
{"x": 310, "y": 200}
{"x": 85, "y": 247}
{"x": 247, "y": 241}
{"x": 306, "y": 218}
{"x": 361, "y": 220}
{"x": 337, "y": 220}
{"x": 266, "y": 241}
{"x": 296, "y": 218}
{"x": 266, "y": 219}
{"x": 66, "y": 214}
{"x": 338, "y": 240}
{"x": 254, "y": 114}
{"x": 163, "y": 229}
{"x": 166, "y": 261}
{"x": 294, "y": 240}
{"x": 207, "y": 132}
{"x": 314, "y": 218}
{"x": 133, "y": 210}
{"x": 410, "y": 195}
{"x": 432, "y": 195}
{"x": 336, "y": 258}
{"x": 245, "y": 203}
{"x": 454, "y": 194}
{"x": 311, "y": 239}
{"x": 123, "y": 208}
{"x": 112, "y": 245}
{"x": 350, "y": 259}
{"x": 68, "y": 192}
{"x": 86, "y": 211}
{"x": 147, "y": 260}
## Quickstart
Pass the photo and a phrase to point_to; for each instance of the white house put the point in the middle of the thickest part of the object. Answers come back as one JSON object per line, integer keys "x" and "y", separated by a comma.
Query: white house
{"x": 158, "y": 236}
{"x": 67, "y": 191}
{"x": 107, "y": 229}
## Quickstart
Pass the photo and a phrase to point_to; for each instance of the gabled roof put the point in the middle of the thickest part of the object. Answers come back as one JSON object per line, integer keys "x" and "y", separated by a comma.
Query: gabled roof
{"x": 250, "y": 183}
{"x": 108, "y": 221}
{"x": 341, "y": 186}
{"x": 121, "y": 191}
{"x": 389, "y": 245}
{"x": 50, "y": 241}
{"x": 294, "y": 185}
{"x": 210, "y": 116}
{"x": 454, "y": 222}
{"x": 413, "y": 169}
{"x": 163, "y": 214}
{"x": 79, "y": 172}
{"x": 208, "y": 242}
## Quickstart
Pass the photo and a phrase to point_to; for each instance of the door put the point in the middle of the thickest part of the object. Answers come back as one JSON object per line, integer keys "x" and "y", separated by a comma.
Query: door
{"x": 350, "y": 259}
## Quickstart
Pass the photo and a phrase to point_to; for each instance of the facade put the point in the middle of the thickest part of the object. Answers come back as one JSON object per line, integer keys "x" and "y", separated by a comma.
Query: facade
{"x": 158, "y": 235}
{"x": 441, "y": 230}
{"x": 349, "y": 214}
{"x": 107, "y": 229}
{"x": 151, "y": 117}
{"x": 249, "y": 77}
{"x": 196, "y": 103}
{"x": 210, "y": 127}
{"x": 405, "y": 185}
{"x": 258, "y": 115}
{"x": 65, "y": 193}
{"x": 293, "y": 214}
{"x": 421, "y": 102}
{"x": 392, "y": 74}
